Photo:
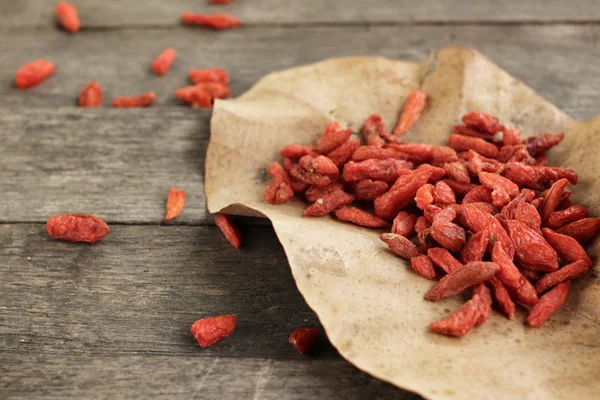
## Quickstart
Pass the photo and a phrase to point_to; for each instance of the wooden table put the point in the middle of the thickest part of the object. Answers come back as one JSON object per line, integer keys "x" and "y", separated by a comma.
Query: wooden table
{"x": 112, "y": 320}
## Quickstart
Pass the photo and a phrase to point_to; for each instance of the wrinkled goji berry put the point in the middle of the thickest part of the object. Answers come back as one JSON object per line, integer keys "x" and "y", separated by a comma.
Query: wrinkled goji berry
{"x": 462, "y": 278}
{"x": 467, "y": 131}
{"x": 505, "y": 303}
{"x": 332, "y": 141}
{"x": 552, "y": 199}
{"x": 298, "y": 186}
{"x": 511, "y": 137}
{"x": 567, "y": 248}
{"x": 571, "y": 271}
{"x": 475, "y": 248}
{"x": 443, "y": 259}
{"x": 201, "y": 95}
{"x": 163, "y": 62}
{"x": 482, "y": 122}
{"x": 495, "y": 181}
{"x": 342, "y": 154}
{"x": 373, "y": 129}
{"x": 448, "y": 234}
{"x": 583, "y": 230}
{"x": 531, "y": 249}
{"x": 329, "y": 203}
{"x": 460, "y": 322}
{"x": 445, "y": 215}
{"x": 280, "y": 190}
{"x": 548, "y": 304}
{"x": 296, "y": 151}
{"x": 231, "y": 232}
{"x": 418, "y": 152}
{"x": 477, "y": 220}
{"x": 527, "y": 213}
{"x": 508, "y": 212}
{"x": 77, "y": 228}
{"x": 515, "y": 153}
{"x": 91, "y": 95}
{"x": 443, "y": 194}
{"x": 210, "y": 330}
{"x": 216, "y": 75}
{"x": 508, "y": 273}
{"x": 523, "y": 175}
{"x": 541, "y": 161}
{"x": 380, "y": 170}
{"x": 400, "y": 245}
{"x": 424, "y": 196}
{"x": 566, "y": 216}
{"x": 303, "y": 339}
{"x": 175, "y": 203}
{"x": 443, "y": 154}
{"x": 422, "y": 229}
{"x": 320, "y": 165}
{"x": 309, "y": 178}
{"x": 538, "y": 145}
{"x": 404, "y": 224}
{"x": 431, "y": 212}
{"x": 423, "y": 266}
{"x": 485, "y": 303}
{"x": 360, "y": 217}
{"x": 142, "y": 100}
{"x": 524, "y": 294}
{"x": 412, "y": 110}
{"x": 477, "y": 163}
{"x": 553, "y": 174}
{"x": 457, "y": 172}
{"x": 500, "y": 198}
{"x": 34, "y": 73}
{"x": 368, "y": 189}
{"x": 461, "y": 142}
{"x": 532, "y": 276}
{"x": 460, "y": 188}
{"x": 479, "y": 194}
{"x": 380, "y": 153}
{"x": 389, "y": 204}
{"x": 68, "y": 17}
{"x": 332, "y": 127}
{"x": 214, "y": 21}
{"x": 314, "y": 193}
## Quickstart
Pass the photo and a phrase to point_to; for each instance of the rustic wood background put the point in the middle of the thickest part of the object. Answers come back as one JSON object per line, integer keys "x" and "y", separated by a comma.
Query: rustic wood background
{"x": 111, "y": 320}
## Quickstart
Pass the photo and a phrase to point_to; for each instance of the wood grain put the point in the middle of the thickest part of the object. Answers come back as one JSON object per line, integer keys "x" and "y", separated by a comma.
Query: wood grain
{"x": 117, "y": 14}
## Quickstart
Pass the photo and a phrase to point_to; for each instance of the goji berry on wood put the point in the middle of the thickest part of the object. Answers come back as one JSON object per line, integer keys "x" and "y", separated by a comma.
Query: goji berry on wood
{"x": 210, "y": 330}
{"x": 77, "y": 228}
{"x": 68, "y": 17}
{"x": 462, "y": 278}
{"x": 216, "y": 75}
{"x": 34, "y": 73}
{"x": 142, "y": 100}
{"x": 175, "y": 203}
{"x": 215, "y": 21}
{"x": 91, "y": 95}
{"x": 548, "y": 304}
{"x": 230, "y": 231}
{"x": 303, "y": 339}
{"x": 412, "y": 110}
{"x": 163, "y": 62}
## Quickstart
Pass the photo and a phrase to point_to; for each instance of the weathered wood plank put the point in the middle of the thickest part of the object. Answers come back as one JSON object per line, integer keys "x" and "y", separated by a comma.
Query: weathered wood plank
{"x": 559, "y": 61}
{"x": 160, "y": 377}
{"x": 98, "y": 13}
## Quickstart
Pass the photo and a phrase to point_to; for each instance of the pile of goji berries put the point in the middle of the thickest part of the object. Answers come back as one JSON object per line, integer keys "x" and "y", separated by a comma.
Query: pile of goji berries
{"x": 484, "y": 213}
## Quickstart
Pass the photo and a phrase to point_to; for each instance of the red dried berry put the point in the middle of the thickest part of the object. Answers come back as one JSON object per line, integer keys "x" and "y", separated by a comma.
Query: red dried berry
{"x": 531, "y": 249}
{"x": 495, "y": 181}
{"x": 220, "y": 1}
{"x": 380, "y": 170}
{"x": 209, "y": 331}
{"x": 413, "y": 108}
{"x": 278, "y": 193}
{"x": 330, "y": 142}
{"x": 423, "y": 266}
{"x": 571, "y": 271}
{"x": 500, "y": 198}
{"x": 329, "y": 203}
{"x": 68, "y": 17}
{"x": 342, "y": 154}
{"x": 474, "y": 249}
{"x": 216, "y": 75}
{"x": 538, "y": 145}
{"x": 77, "y": 228}
{"x": 175, "y": 203}
{"x": 506, "y": 305}
{"x": 508, "y": 273}
{"x": 360, "y": 217}
{"x": 34, "y": 73}
{"x": 567, "y": 248}
{"x": 400, "y": 245}
{"x": 482, "y": 122}
{"x": 142, "y": 100}
{"x": 457, "y": 172}
{"x": 388, "y": 205}
{"x": 485, "y": 303}
{"x": 557, "y": 219}
{"x": 460, "y": 188}
{"x": 296, "y": 151}
{"x": 233, "y": 235}
{"x": 511, "y": 137}
{"x": 549, "y": 175}
{"x": 527, "y": 213}
{"x": 463, "y": 143}
{"x": 303, "y": 339}
{"x": 314, "y": 193}
{"x": 91, "y": 95}
{"x": 523, "y": 175}
{"x": 373, "y": 130}
{"x": 309, "y": 178}
{"x": 422, "y": 229}
{"x": 214, "y": 21}
{"x": 455, "y": 282}
{"x": 479, "y": 194}
{"x": 548, "y": 304}
{"x": 443, "y": 154}
{"x": 424, "y": 196}
{"x": 443, "y": 194}
{"x": 380, "y": 153}
{"x": 552, "y": 199}
{"x": 418, "y": 152}
{"x": 332, "y": 127}
{"x": 443, "y": 259}
{"x": 320, "y": 165}
{"x": 583, "y": 230}
{"x": 449, "y": 235}
{"x": 163, "y": 62}
{"x": 368, "y": 189}
{"x": 524, "y": 294}
{"x": 465, "y": 130}
{"x": 404, "y": 224}
{"x": 460, "y": 322}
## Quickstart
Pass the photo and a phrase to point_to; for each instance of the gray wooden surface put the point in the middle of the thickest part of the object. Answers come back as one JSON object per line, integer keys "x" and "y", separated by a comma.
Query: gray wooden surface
{"x": 112, "y": 320}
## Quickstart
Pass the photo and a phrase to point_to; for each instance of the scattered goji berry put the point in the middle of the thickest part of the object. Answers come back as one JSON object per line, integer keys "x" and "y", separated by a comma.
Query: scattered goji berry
{"x": 91, "y": 95}
{"x": 474, "y": 249}
{"x": 457, "y": 172}
{"x": 508, "y": 273}
{"x": 500, "y": 198}
{"x": 418, "y": 152}
{"x": 372, "y": 130}
{"x": 231, "y": 232}
{"x": 549, "y": 175}
{"x": 332, "y": 127}
{"x": 368, "y": 189}
{"x": 485, "y": 303}
{"x": 214, "y": 21}
{"x": 459, "y": 188}
{"x": 296, "y": 151}
{"x": 567, "y": 248}
{"x": 445, "y": 215}
{"x": 330, "y": 142}
{"x": 342, "y": 154}
{"x": 142, "y": 100}
{"x": 175, "y": 203}
{"x": 380, "y": 170}
{"x": 210, "y": 330}
{"x": 443, "y": 259}
{"x": 77, "y": 228}
{"x": 163, "y": 62}
{"x": 462, "y": 278}
{"x": 412, "y": 110}
{"x": 541, "y": 161}
{"x": 527, "y": 213}
{"x": 482, "y": 122}
{"x": 404, "y": 224}
{"x": 538, "y": 145}
{"x": 389, "y": 204}
{"x": 548, "y": 304}
{"x": 466, "y": 131}
{"x": 201, "y": 95}
{"x": 460, "y": 322}
{"x": 424, "y": 196}
{"x": 431, "y": 211}
{"x": 68, "y": 16}
{"x": 309, "y": 178}
{"x": 448, "y": 234}
{"x": 531, "y": 249}
{"x": 400, "y": 245}
{"x": 303, "y": 339}
{"x": 524, "y": 294}
{"x": 495, "y": 181}
{"x": 320, "y": 165}
{"x": 328, "y": 203}
{"x": 477, "y": 163}
{"x": 216, "y": 75}
{"x": 479, "y": 194}
{"x": 566, "y": 216}
{"x": 443, "y": 194}
{"x": 511, "y": 137}
{"x": 443, "y": 154}
{"x": 571, "y": 271}
{"x": 583, "y": 230}
{"x": 552, "y": 199}
{"x": 34, "y": 73}
{"x": 523, "y": 175}
{"x": 532, "y": 276}
{"x": 360, "y": 217}
{"x": 422, "y": 229}
{"x": 462, "y": 142}
{"x": 423, "y": 266}
{"x": 314, "y": 193}
{"x": 505, "y": 303}
{"x": 280, "y": 190}
{"x": 380, "y": 153}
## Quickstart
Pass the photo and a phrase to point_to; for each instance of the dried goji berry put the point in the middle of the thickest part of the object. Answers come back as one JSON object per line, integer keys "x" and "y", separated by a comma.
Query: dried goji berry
{"x": 229, "y": 230}
{"x": 209, "y": 331}
{"x": 500, "y": 198}
{"x": 330, "y": 142}
{"x": 474, "y": 249}
{"x": 515, "y": 153}
{"x": 422, "y": 230}
{"x": 216, "y": 75}
{"x": 457, "y": 171}
{"x": 142, "y": 100}
{"x": 214, "y": 21}
{"x": 527, "y": 213}
{"x": 303, "y": 339}
{"x": 445, "y": 215}
{"x": 467, "y": 131}
{"x": 443, "y": 154}
{"x": 482, "y": 122}
{"x": 443, "y": 259}
{"x": 460, "y": 322}
{"x": 360, "y": 217}
{"x": 77, "y": 228}
{"x": 431, "y": 211}
{"x": 477, "y": 220}
{"x": 68, "y": 16}
{"x": 506, "y": 305}
{"x": 329, "y": 203}
{"x": 531, "y": 249}
{"x": 532, "y": 276}
{"x": 404, "y": 224}
{"x": 314, "y": 193}
{"x": 91, "y": 95}
{"x": 459, "y": 188}
{"x": 538, "y": 145}
{"x": 548, "y": 304}
{"x": 477, "y": 163}
{"x": 583, "y": 230}
{"x": 372, "y": 130}
{"x": 449, "y": 235}
{"x": 461, "y": 142}
{"x": 278, "y": 192}
{"x": 563, "y": 217}
{"x": 412, "y": 110}
{"x": 523, "y": 175}
{"x": 423, "y": 266}
{"x": 175, "y": 203}
{"x": 320, "y": 165}
{"x": 443, "y": 194}
{"x": 468, "y": 275}
{"x": 424, "y": 196}
{"x": 508, "y": 273}
{"x": 524, "y": 294}
{"x": 388, "y": 205}
{"x": 479, "y": 194}
{"x": 495, "y": 181}
{"x": 163, "y": 62}
{"x": 541, "y": 161}
{"x": 296, "y": 151}
{"x": 511, "y": 137}
{"x": 552, "y": 199}
{"x": 567, "y": 248}
{"x": 368, "y": 189}
{"x": 332, "y": 127}
{"x": 400, "y": 245}
{"x": 485, "y": 303}
{"x": 437, "y": 173}
{"x": 34, "y": 73}
{"x": 549, "y": 175}
{"x": 342, "y": 154}
{"x": 380, "y": 170}
{"x": 298, "y": 186}
{"x": 419, "y": 152}
{"x": 571, "y": 271}
{"x": 380, "y": 153}
{"x": 309, "y": 178}
{"x": 201, "y": 95}
{"x": 508, "y": 212}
